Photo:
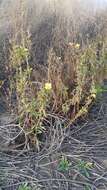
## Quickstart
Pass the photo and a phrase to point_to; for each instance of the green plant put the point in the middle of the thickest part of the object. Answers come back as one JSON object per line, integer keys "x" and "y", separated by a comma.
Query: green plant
{"x": 19, "y": 54}
{"x": 99, "y": 89}
{"x": 87, "y": 187}
{"x": 24, "y": 187}
{"x": 32, "y": 105}
{"x": 64, "y": 164}
{"x": 84, "y": 168}
{"x": 35, "y": 110}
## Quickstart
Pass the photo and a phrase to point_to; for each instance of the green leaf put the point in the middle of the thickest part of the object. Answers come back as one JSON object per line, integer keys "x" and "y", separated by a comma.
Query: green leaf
{"x": 87, "y": 187}
{"x": 64, "y": 164}
{"x": 24, "y": 187}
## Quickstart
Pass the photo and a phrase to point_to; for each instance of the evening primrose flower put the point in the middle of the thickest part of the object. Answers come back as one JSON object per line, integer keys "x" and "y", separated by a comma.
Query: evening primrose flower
{"x": 93, "y": 95}
{"x": 89, "y": 164}
{"x": 77, "y": 46}
{"x": 48, "y": 86}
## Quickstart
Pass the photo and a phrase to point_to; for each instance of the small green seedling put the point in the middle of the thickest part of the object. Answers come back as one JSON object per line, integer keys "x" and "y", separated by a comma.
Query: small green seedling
{"x": 99, "y": 89}
{"x": 84, "y": 168}
{"x": 24, "y": 187}
{"x": 64, "y": 164}
{"x": 87, "y": 187}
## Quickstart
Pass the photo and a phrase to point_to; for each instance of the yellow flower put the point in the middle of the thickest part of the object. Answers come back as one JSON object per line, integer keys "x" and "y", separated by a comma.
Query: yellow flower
{"x": 77, "y": 46}
{"x": 93, "y": 95}
{"x": 48, "y": 86}
{"x": 89, "y": 164}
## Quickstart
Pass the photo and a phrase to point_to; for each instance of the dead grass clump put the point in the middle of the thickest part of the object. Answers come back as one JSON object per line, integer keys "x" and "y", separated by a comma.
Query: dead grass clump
{"x": 73, "y": 65}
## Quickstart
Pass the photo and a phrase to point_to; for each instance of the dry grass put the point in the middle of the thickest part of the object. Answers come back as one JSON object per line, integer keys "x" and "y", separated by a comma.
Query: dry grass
{"x": 72, "y": 51}
{"x": 41, "y": 170}
{"x": 55, "y": 69}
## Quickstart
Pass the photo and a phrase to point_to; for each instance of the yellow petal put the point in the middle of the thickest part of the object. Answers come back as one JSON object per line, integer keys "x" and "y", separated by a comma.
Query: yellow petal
{"x": 48, "y": 86}
{"x": 93, "y": 95}
{"x": 77, "y": 46}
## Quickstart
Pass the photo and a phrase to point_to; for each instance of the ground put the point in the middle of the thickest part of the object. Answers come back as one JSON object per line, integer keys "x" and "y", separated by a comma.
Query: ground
{"x": 84, "y": 142}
